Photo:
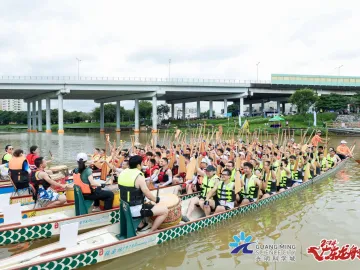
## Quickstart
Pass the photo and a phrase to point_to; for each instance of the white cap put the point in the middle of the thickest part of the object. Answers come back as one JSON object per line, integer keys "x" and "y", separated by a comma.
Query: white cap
{"x": 82, "y": 156}
{"x": 343, "y": 141}
{"x": 204, "y": 160}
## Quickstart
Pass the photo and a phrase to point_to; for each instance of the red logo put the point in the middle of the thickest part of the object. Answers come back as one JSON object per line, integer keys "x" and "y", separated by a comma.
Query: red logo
{"x": 330, "y": 251}
{"x": 101, "y": 252}
{"x": 56, "y": 225}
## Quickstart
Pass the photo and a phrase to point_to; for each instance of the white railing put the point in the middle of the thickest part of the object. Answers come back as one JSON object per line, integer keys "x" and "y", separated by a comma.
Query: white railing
{"x": 133, "y": 79}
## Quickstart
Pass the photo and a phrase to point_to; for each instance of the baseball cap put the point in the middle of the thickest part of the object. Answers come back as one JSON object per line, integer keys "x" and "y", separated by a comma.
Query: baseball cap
{"x": 82, "y": 156}
{"x": 210, "y": 168}
{"x": 343, "y": 141}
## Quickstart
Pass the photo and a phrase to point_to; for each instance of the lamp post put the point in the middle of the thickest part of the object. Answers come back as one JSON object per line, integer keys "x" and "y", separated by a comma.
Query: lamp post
{"x": 78, "y": 60}
{"x": 169, "y": 67}
{"x": 338, "y": 68}
{"x": 257, "y": 71}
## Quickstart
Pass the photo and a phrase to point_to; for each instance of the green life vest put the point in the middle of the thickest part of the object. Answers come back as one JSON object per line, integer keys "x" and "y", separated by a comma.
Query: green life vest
{"x": 265, "y": 178}
{"x": 304, "y": 167}
{"x": 207, "y": 185}
{"x": 128, "y": 192}
{"x": 323, "y": 164}
{"x": 275, "y": 165}
{"x": 331, "y": 161}
{"x": 294, "y": 174}
{"x": 283, "y": 179}
{"x": 225, "y": 192}
{"x": 250, "y": 190}
{"x": 232, "y": 177}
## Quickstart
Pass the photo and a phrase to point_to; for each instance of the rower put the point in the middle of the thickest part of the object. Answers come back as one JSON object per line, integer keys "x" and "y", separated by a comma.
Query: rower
{"x": 268, "y": 178}
{"x": 19, "y": 170}
{"x": 231, "y": 167}
{"x": 283, "y": 176}
{"x": 34, "y": 154}
{"x": 91, "y": 189}
{"x": 133, "y": 190}
{"x": 343, "y": 151}
{"x": 224, "y": 189}
{"x": 295, "y": 172}
{"x": 250, "y": 185}
{"x": 96, "y": 155}
{"x": 8, "y": 154}
{"x": 332, "y": 161}
{"x": 323, "y": 163}
{"x": 42, "y": 183}
{"x": 210, "y": 179}
{"x": 152, "y": 171}
{"x": 164, "y": 177}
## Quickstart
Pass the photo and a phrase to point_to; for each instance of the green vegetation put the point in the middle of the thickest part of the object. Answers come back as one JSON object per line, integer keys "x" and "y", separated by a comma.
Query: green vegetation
{"x": 303, "y": 99}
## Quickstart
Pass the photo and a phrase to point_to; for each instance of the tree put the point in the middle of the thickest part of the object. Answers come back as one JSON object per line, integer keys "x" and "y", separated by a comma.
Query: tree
{"x": 109, "y": 112}
{"x": 163, "y": 110}
{"x": 303, "y": 99}
{"x": 234, "y": 109}
{"x": 332, "y": 102}
{"x": 145, "y": 109}
{"x": 206, "y": 114}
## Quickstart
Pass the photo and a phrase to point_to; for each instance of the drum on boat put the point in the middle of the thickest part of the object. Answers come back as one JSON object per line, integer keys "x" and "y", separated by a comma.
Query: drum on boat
{"x": 173, "y": 203}
{"x": 116, "y": 200}
{"x": 60, "y": 169}
{"x": 60, "y": 178}
{"x": 70, "y": 196}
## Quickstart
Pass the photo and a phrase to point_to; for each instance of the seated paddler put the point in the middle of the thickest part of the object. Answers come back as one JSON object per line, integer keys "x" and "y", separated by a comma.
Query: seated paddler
{"x": 90, "y": 188}
{"x": 133, "y": 190}
{"x": 19, "y": 171}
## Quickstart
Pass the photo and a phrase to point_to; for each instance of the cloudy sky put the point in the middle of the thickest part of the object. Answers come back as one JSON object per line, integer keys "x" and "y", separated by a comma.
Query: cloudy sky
{"x": 204, "y": 39}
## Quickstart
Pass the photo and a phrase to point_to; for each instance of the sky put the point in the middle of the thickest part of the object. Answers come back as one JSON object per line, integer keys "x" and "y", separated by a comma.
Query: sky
{"x": 203, "y": 39}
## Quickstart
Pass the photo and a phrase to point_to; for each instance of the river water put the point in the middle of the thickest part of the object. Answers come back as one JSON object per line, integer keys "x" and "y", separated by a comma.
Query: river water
{"x": 329, "y": 209}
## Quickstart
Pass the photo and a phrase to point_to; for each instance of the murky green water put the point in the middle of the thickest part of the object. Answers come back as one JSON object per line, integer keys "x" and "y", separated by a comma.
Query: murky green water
{"x": 329, "y": 209}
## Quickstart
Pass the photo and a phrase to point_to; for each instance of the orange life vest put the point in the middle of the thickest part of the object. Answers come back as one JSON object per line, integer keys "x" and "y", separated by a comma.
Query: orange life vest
{"x": 85, "y": 188}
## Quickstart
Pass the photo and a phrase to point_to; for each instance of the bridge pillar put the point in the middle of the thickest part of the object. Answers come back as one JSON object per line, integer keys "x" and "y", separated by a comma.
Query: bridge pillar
{"x": 40, "y": 115}
{"x": 250, "y": 109}
{"x": 198, "y": 109}
{"x": 118, "y": 116}
{"x": 48, "y": 116}
{"x": 283, "y": 107}
{"x": 34, "y": 127}
{"x": 225, "y": 106}
{"x": 278, "y": 106}
{"x": 262, "y": 108}
{"x": 137, "y": 126}
{"x": 183, "y": 110}
{"x": 102, "y": 117}
{"x": 210, "y": 109}
{"x": 28, "y": 116}
{"x": 241, "y": 107}
{"x": 173, "y": 111}
{"x": 61, "y": 114}
{"x": 154, "y": 114}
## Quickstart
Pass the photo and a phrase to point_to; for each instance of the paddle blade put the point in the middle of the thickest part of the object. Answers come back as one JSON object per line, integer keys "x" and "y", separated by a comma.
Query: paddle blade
{"x": 182, "y": 166}
{"x": 191, "y": 169}
{"x": 237, "y": 182}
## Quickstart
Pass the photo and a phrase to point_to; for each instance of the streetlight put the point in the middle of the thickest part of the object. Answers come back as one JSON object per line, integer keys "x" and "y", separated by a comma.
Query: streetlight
{"x": 78, "y": 60}
{"x": 257, "y": 71}
{"x": 169, "y": 67}
{"x": 338, "y": 68}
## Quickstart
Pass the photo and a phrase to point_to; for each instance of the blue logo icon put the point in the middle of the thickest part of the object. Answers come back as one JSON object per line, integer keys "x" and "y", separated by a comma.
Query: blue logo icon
{"x": 242, "y": 242}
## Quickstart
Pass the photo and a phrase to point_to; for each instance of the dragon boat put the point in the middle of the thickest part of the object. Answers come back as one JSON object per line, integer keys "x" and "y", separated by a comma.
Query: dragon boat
{"x": 120, "y": 239}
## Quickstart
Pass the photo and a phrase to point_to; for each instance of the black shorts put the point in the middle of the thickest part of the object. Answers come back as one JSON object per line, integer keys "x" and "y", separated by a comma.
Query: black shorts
{"x": 217, "y": 203}
{"x": 146, "y": 210}
{"x": 278, "y": 188}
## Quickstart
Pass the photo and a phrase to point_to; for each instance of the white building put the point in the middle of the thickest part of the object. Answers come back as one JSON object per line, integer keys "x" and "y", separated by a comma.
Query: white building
{"x": 14, "y": 105}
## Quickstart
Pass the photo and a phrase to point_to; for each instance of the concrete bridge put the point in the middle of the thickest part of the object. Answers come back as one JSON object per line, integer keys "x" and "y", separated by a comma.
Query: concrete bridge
{"x": 34, "y": 89}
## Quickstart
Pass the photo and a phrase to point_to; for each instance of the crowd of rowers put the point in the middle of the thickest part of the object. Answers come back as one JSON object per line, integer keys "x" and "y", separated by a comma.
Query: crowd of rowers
{"x": 264, "y": 169}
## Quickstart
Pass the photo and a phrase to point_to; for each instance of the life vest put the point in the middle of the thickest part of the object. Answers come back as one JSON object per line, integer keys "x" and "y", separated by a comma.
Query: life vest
{"x": 226, "y": 192}
{"x": 207, "y": 184}
{"x": 17, "y": 174}
{"x": 283, "y": 179}
{"x": 304, "y": 167}
{"x": 323, "y": 164}
{"x": 162, "y": 176}
{"x": 85, "y": 188}
{"x": 294, "y": 174}
{"x": 95, "y": 157}
{"x": 270, "y": 186}
{"x": 150, "y": 171}
{"x": 275, "y": 165}
{"x": 331, "y": 161}
{"x": 36, "y": 181}
{"x": 249, "y": 190}
{"x": 232, "y": 177}
{"x": 128, "y": 192}
{"x": 6, "y": 158}
{"x": 31, "y": 158}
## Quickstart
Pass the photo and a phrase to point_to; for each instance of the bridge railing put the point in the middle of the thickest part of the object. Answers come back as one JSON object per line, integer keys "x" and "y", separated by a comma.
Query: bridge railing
{"x": 133, "y": 79}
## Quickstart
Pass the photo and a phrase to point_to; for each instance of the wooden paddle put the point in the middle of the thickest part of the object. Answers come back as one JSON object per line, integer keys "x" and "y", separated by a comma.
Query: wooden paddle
{"x": 237, "y": 176}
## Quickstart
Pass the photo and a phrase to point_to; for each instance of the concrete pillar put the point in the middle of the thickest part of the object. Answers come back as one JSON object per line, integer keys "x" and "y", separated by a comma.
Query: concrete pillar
{"x": 173, "y": 111}
{"x": 198, "y": 109}
{"x": 28, "y": 116}
{"x": 241, "y": 107}
{"x": 118, "y": 116}
{"x": 60, "y": 114}
{"x": 40, "y": 115}
{"x": 34, "y": 127}
{"x": 102, "y": 117}
{"x": 225, "y": 106}
{"x": 137, "y": 126}
{"x": 283, "y": 107}
{"x": 48, "y": 116}
{"x": 183, "y": 111}
{"x": 154, "y": 114}
{"x": 278, "y": 106}
{"x": 210, "y": 108}
{"x": 250, "y": 109}
{"x": 262, "y": 108}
